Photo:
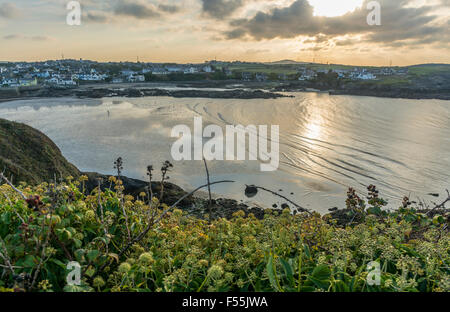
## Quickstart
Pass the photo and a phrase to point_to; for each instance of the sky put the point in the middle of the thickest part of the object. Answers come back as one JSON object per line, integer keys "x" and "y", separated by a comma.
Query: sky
{"x": 194, "y": 31}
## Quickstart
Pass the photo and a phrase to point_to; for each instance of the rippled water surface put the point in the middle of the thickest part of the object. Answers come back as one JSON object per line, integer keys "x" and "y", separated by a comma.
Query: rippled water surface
{"x": 327, "y": 143}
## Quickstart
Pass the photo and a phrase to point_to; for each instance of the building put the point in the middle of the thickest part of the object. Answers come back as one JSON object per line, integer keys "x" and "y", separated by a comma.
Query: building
{"x": 117, "y": 80}
{"x": 261, "y": 77}
{"x": 159, "y": 71}
{"x": 307, "y": 74}
{"x": 247, "y": 76}
{"x": 208, "y": 69}
{"x": 136, "y": 78}
{"x": 28, "y": 82}
{"x": 190, "y": 70}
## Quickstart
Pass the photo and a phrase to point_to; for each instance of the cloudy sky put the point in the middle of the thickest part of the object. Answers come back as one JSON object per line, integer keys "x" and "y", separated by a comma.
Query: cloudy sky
{"x": 335, "y": 31}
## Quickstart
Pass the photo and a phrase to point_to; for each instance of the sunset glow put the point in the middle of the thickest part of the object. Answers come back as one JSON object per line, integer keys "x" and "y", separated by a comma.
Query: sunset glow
{"x": 334, "y": 8}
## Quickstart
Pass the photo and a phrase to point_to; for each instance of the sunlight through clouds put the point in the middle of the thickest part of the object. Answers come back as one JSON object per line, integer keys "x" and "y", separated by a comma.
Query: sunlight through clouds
{"x": 333, "y": 7}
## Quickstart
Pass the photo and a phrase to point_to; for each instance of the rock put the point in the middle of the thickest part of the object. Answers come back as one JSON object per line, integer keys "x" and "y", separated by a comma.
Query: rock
{"x": 133, "y": 187}
{"x": 251, "y": 191}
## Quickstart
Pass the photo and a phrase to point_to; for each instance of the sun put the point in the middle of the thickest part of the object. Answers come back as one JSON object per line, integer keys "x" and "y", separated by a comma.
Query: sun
{"x": 334, "y": 7}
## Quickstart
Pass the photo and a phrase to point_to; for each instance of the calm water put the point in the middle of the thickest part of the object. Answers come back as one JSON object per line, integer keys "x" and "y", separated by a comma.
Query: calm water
{"x": 327, "y": 143}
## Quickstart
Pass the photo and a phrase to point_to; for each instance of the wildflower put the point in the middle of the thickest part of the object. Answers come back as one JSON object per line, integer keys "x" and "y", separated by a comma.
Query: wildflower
{"x": 215, "y": 272}
{"x": 124, "y": 267}
{"x": 45, "y": 285}
{"x": 239, "y": 214}
{"x": 98, "y": 282}
{"x": 128, "y": 198}
{"x": 146, "y": 258}
{"x": 89, "y": 215}
{"x": 203, "y": 263}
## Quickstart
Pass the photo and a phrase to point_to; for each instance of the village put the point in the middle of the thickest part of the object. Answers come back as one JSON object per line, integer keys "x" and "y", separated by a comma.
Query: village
{"x": 75, "y": 72}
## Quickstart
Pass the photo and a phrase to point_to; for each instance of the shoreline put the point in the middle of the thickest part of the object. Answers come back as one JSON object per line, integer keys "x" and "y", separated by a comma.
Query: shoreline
{"x": 202, "y": 89}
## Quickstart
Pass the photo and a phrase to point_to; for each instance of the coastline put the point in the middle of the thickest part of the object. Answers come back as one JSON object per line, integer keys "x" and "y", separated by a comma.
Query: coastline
{"x": 213, "y": 90}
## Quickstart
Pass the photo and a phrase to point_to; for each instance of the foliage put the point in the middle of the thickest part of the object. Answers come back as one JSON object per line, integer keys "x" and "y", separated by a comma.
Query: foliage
{"x": 58, "y": 224}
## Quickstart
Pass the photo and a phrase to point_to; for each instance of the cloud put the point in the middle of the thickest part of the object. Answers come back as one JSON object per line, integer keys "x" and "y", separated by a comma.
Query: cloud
{"x": 23, "y": 37}
{"x": 9, "y": 10}
{"x": 136, "y": 9}
{"x": 400, "y": 22}
{"x": 220, "y": 8}
{"x": 169, "y": 8}
{"x": 97, "y": 17}
{"x": 12, "y": 37}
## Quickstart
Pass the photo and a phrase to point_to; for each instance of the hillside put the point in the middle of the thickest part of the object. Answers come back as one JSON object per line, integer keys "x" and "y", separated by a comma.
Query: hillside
{"x": 28, "y": 155}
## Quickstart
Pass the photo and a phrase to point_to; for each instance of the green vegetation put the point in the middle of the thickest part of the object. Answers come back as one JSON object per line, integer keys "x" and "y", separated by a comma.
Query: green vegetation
{"x": 132, "y": 244}
{"x": 429, "y": 69}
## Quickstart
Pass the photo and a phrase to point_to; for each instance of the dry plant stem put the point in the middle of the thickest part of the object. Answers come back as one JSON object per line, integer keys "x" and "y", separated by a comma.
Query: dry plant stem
{"x": 442, "y": 205}
{"x": 102, "y": 219}
{"x": 162, "y": 188}
{"x": 49, "y": 232}
{"x": 124, "y": 212}
{"x": 209, "y": 189}
{"x": 150, "y": 188}
{"x": 61, "y": 244}
{"x": 285, "y": 198}
{"x": 12, "y": 186}
{"x": 47, "y": 239}
{"x": 5, "y": 257}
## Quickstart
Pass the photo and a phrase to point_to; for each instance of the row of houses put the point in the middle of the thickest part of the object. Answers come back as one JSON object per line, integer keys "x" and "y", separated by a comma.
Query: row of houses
{"x": 73, "y": 72}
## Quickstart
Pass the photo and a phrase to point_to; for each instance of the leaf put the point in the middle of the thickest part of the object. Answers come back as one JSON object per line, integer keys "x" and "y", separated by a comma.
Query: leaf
{"x": 59, "y": 263}
{"x": 90, "y": 271}
{"x": 307, "y": 253}
{"x": 321, "y": 276}
{"x": 77, "y": 242}
{"x": 93, "y": 254}
{"x": 114, "y": 256}
{"x": 321, "y": 272}
{"x": 438, "y": 219}
{"x": 375, "y": 211}
{"x": 272, "y": 274}
{"x": 288, "y": 271}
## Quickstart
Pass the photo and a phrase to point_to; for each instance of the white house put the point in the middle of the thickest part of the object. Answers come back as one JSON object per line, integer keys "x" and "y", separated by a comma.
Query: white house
{"x": 190, "y": 70}
{"x": 174, "y": 69}
{"x": 208, "y": 69}
{"x": 159, "y": 71}
{"x": 136, "y": 78}
{"x": 366, "y": 76}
